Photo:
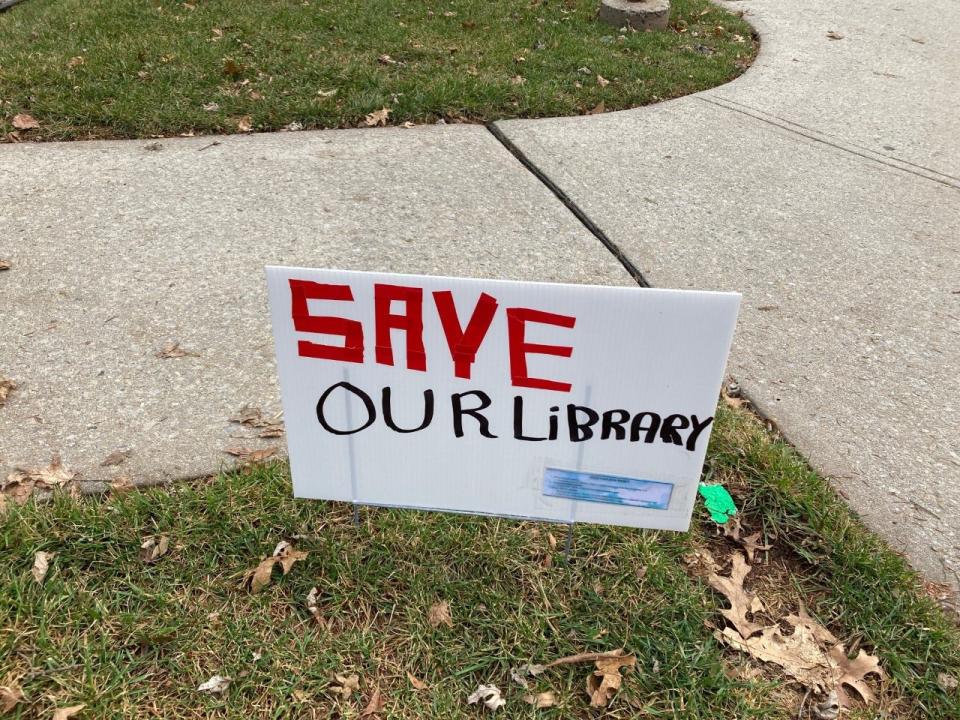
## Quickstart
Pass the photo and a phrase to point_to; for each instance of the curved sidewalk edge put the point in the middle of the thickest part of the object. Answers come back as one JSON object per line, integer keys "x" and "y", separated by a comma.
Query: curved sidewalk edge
{"x": 823, "y": 184}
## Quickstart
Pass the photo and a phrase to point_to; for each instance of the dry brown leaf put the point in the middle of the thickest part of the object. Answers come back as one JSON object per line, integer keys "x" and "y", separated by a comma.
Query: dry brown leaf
{"x": 251, "y": 456}
{"x": 489, "y": 694}
{"x": 312, "y": 598}
{"x": 173, "y": 350}
{"x": 375, "y": 706}
{"x": 41, "y": 564}
{"x": 603, "y": 684}
{"x": 853, "y": 673}
{"x": 345, "y": 685}
{"x": 67, "y": 712}
{"x": 116, "y": 458}
{"x": 378, "y": 117}
{"x": 602, "y": 81}
{"x": 598, "y": 109}
{"x": 541, "y": 700}
{"x": 518, "y": 80}
{"x": 215, "y": 685}
{"x": 834, "y": 35}
{"x": 245, "y": 124}
{"x": 802, "y": 618}
{"x": 252, "y": 416}
{"x": 732, "y": 528}
{"x": 439, "y": 614}
{"x": 751, "y": 543}
{"x": 122, "y": 484}
{"x": 5, "y": 264}
{"x": 386, "y": 60}
{"x": 24, "y": 121}
{"x": 259, "y": 577}
{"x": 10, "y": 696}
{"x": 154, "y": 548}
{"x": 75, "y": 61}
{"x": 741, "y": 601}
{"x": 798, "y": 654}
{"x": 6, "y": 387}
{"x": 415, "y": 682}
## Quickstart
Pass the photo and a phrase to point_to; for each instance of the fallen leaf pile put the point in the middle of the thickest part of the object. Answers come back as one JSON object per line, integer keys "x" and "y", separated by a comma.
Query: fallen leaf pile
{"x": 284, "y": 555}
{"x": 21, "y": 484}
{"x": 252, "y": 417}
{"x": 810, "y": 653}
{"x": 6, "y": 387}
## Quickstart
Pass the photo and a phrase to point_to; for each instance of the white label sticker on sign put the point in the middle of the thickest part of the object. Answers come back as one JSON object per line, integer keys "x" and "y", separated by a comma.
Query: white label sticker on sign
{"x": 459, "y": 394}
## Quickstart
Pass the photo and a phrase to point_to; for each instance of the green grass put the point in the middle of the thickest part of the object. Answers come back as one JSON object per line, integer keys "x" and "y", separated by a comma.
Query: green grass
{"x": 135, "y": 640}
{"x": 149, "y": 68}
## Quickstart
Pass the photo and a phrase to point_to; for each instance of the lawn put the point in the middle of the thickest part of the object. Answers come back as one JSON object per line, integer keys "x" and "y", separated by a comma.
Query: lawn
{"x": 130, "y": 68}
{"x": 424, "y": 607}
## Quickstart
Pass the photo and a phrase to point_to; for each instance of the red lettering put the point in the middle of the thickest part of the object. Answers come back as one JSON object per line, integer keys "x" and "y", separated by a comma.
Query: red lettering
{"x": 517, "y": 318}
{"x": 411, "y": 322}
{"x": 352, "y": 331}
{"x": 464, "y": 344}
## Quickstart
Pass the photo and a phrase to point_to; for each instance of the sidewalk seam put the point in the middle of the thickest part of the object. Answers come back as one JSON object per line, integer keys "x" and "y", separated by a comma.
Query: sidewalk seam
{"x": 816, "y": 136}
{"x": 570, "y": 205}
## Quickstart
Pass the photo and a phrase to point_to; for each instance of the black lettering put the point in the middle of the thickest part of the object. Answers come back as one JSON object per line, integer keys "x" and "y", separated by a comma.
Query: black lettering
{"x": 637, "y": 425}
{"x": 459, "y": 412}
{"x": 367, "y": 403}
{"x": 672, "y": 423}
{"x": 518, "y": 421}
{"x": 698, "y": 427}
{"x": 580, "y": 431}
{"x": 615, "y": 426}
{"x": 388, "y": 412}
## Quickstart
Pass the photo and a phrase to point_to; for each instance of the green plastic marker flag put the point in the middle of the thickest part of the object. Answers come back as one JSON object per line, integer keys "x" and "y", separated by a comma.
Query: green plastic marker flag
{"x": 718, "y": 502}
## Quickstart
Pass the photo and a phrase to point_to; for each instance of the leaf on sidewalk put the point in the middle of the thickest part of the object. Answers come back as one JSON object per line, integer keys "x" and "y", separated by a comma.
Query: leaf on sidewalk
{"x": 489, "y": 695}
{"x": 173, "y": 350}
{"x": 117, "y": 457}
{"x": 41, "y": 564}
{"x": 439, "y": 614}
{"x": 6, "y": 387}
{"x": 741, "y": 601}
{"x": 5, "y": 264}
{"x": 250, "y": 456}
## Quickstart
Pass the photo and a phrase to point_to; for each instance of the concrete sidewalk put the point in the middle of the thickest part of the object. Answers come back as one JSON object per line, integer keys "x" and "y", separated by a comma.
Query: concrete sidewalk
{"x": 822, "y": 184}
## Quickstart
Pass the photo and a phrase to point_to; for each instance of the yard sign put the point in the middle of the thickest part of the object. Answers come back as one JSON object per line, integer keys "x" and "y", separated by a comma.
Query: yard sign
{"x": 569, "y": 403}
